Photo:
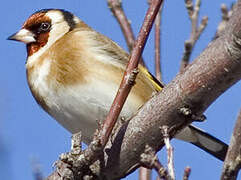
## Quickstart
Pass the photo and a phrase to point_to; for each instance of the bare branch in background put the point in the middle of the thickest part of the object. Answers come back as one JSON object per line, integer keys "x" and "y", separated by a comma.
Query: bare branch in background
{"x": 157, "y": 40}
{"x": 170, "y": 157}
{"x": 117, "y": 10}
{"x": 232, "y": 163}
{"x": 196, "y": 31}
{"x": 187, "y": 173}
{"x": 150, "y": 160}
{"x": 158, "y": 71}
{"x": 226, "y": 14}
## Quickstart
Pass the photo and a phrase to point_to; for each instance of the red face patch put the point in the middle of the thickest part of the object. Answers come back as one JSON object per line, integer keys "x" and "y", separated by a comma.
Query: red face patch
{"x": 35, "y": 25}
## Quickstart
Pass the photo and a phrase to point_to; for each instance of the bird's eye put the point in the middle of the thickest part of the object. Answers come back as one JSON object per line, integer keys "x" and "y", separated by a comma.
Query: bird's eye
{"x": 44, "y": 27}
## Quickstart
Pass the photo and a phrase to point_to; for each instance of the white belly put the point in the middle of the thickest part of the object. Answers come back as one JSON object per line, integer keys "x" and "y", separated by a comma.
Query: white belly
{"x": 77, "y": 110}
{"x": 80, "y": 107}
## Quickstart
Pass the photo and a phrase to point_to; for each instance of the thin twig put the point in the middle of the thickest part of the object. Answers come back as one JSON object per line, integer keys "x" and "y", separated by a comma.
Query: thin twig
{"x": 226, "y": 14}
{"x": 194, "y": 19}
{"x": 201, "y": 28}
{"x": 150, "y": 160}
{"x": 131, "y": 72}
{"x": 37, "y": 173}
{"x": 232, "y": 163}
{"x": 161, "y": 171}
{"x": 144, "y": 173}
{"x": 157, "y": 40}
{"x": 117, "y": 10}
{"x": 158, "y": 45}
{"x": 187, "y": 173}
{"x": 196, "y": 31}
{"x": 169, "y": 148}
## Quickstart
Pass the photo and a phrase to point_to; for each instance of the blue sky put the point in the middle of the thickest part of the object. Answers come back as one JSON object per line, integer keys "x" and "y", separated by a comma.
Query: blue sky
{"x": 27, "y": 132}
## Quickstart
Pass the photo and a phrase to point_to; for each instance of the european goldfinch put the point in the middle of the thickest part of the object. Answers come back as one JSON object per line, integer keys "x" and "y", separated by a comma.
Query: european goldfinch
{"x": 74, "y": 73}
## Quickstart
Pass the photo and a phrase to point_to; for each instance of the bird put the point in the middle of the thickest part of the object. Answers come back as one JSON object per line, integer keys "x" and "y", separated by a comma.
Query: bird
{"x": 74, "y": 72}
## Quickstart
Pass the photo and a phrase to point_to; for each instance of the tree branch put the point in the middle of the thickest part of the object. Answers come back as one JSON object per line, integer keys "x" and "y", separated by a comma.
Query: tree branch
{"x": 212, "y": 73}
{"x": 158, "y": 45}
{"x": 117, "y": 10}
{"x": 130, "y": 72}
{"x": 187, "y": 173}
{"x": 232, "y": 163}
{"x": 150, "y": 160}
{"x": 196, "y": 31}
{"x": 144, "y": 173}
{"x": 169, "y": 148}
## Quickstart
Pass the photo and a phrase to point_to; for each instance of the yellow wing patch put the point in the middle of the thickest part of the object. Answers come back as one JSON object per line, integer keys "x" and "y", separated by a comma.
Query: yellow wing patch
{"x": 157, "y": 84}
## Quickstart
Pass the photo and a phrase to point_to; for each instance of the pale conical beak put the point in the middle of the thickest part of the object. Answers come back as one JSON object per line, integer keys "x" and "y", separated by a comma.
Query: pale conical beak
{"x": 24, "y": 36}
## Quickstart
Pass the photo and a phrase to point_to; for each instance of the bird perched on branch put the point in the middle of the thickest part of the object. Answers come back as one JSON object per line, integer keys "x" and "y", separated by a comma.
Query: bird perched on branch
{"x": 74, "y": 73}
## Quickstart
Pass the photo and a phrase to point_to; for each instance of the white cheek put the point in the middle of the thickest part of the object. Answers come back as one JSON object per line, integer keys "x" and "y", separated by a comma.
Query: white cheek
{"x": 55, "y": 16}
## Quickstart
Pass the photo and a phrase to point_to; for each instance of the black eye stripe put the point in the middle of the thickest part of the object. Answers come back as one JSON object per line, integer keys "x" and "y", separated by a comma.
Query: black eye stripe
{"x": 40, "y": 28}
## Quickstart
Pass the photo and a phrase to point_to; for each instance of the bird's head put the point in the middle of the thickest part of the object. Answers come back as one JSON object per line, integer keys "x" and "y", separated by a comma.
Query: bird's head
{"x": 44, "y": 27}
